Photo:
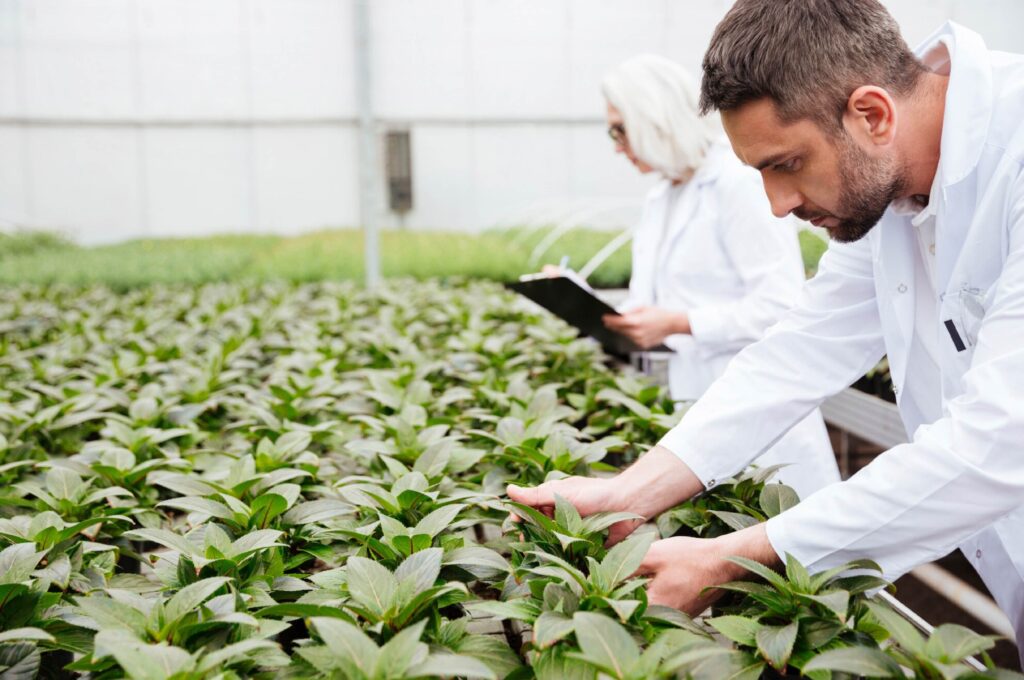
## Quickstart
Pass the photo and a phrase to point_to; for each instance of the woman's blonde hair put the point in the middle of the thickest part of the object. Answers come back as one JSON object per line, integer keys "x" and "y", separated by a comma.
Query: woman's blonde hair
{"x": 658, "y": 100}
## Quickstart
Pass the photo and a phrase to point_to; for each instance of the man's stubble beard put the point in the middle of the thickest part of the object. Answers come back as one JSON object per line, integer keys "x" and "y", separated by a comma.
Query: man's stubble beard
{"x": 869, "y": 187}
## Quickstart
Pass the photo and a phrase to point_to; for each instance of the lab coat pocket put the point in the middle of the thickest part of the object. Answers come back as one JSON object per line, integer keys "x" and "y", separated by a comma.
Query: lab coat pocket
{"x": 973, "y": 304}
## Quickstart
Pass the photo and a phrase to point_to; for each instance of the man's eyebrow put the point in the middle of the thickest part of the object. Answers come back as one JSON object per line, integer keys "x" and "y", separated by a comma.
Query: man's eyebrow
{"x": 771, "y": 160}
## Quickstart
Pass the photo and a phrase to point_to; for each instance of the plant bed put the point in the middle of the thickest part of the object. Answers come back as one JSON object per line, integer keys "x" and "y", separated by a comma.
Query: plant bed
{"x": 296, "y": 481}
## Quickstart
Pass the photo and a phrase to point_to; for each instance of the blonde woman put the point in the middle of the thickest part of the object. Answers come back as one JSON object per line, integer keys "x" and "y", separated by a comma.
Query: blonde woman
{"x": 712, "y": 268}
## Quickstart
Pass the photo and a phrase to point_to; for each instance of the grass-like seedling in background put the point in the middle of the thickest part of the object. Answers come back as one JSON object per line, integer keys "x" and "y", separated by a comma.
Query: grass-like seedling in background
{"x": 48, "y": 259}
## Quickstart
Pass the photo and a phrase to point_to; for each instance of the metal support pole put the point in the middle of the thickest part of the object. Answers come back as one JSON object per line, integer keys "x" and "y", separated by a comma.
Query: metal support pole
{"x": 367, "y": 144}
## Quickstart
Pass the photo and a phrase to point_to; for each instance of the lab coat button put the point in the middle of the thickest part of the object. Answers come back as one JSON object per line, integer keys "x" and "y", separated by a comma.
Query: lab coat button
{"x": 711, "y": 483}
{"x": 977, "y": 553}
{"x": 902, "y": 288}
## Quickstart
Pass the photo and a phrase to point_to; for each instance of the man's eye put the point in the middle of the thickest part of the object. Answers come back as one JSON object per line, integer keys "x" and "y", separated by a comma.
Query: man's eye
{"x": 789, "y": 166}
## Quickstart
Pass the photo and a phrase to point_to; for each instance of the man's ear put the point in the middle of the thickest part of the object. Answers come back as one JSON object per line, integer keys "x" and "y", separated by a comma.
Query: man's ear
{"x": 871, "y": 116}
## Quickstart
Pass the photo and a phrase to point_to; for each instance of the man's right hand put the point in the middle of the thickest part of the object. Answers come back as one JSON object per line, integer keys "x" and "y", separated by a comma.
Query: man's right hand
{"x": 655, "y": 483}
{"x": 589, "y": 495}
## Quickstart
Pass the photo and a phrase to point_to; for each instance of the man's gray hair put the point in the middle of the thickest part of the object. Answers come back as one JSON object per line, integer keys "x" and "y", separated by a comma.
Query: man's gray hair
{"x": 807, "y": 56}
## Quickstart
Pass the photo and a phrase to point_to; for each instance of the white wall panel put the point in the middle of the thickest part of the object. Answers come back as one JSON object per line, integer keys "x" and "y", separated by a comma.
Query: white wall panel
{"x": 78, "y": 57}
{"x": 519, "y": 58}
{"x": 193, "y": 56}
{"x": 305, "y": 178}
{"x": 14, "y": 192}
{"x": 193, "y": 116}
{"x": 444, "y": 171}
{"x": 11, "y": 55}
{"x": 85, "y": 181}
{"x": 198, "y": 181}
{"x": 418, "y": 71}
{"x": 302, "y": 61}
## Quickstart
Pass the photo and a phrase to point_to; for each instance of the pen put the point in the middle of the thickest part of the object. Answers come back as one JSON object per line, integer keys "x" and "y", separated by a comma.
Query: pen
{"x": 564, "y": 262}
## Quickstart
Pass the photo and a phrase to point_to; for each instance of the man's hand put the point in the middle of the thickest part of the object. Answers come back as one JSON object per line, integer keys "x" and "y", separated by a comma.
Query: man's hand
{"x": 681, "y": 568}
{"x": 655, "y": 483}
{"x": 589, "y": 495}
{"x": 648, "y": 326}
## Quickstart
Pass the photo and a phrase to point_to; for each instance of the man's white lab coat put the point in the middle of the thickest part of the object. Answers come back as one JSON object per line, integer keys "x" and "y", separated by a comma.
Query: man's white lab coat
{"x": 961, "y": 480}
{"x": 712, "y": 249}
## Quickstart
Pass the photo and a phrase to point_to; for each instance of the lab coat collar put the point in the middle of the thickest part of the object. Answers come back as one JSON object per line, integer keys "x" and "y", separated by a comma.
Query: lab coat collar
{"x": 968, "y": 100}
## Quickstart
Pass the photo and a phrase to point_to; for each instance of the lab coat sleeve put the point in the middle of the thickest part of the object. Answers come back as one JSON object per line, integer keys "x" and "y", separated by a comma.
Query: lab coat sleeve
{"x": 960, "y": 474}
{"x": 829, "y": 339}
{"x": 764, "y": 252}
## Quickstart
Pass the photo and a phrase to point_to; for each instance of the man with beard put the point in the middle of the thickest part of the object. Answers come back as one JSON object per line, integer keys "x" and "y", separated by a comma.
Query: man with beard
{"x": 913, "y": 163}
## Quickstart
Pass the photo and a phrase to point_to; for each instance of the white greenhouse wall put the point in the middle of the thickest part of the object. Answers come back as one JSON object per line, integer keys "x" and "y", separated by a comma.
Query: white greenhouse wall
{"x": 127, "y": 118}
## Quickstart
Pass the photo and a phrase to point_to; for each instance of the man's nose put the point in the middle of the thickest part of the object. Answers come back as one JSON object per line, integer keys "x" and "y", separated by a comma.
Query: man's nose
{"x": 784, "y": 199}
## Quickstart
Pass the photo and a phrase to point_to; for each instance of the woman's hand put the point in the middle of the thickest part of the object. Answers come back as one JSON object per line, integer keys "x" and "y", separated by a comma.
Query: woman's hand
{"x": 648, "y": 326}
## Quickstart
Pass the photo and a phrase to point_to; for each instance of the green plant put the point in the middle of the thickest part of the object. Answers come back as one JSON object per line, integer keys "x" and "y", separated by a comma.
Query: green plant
{"x": 733, "y": 504}
{"x": 350, "y": 654}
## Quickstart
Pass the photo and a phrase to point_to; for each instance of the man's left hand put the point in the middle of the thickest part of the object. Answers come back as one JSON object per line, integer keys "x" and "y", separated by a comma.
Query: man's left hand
{"x": 682, "y": 568}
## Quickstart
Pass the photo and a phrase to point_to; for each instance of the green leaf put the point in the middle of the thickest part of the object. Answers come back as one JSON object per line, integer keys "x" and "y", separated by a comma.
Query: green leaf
{"x": 837, "y": 602}
{"x": 401, "y": 651}
{"x": 166, "y": 538}
{"x": 19, "y": 661}
{"x": 494, "y": 652}
{"x": 858, "y": 661}
{"x": 302, "y": 610}
{"x": 739, "y": 629}
{"x": 797, "y": 574}
{"x": 951, "y": 643}
{"x": 567, "y": 516}
{"x": 777, "y": 498}
{"x": 600, "y": 521}
{"x": 313, "y": 512}
{"x": 35, "y": 634}
{"x": 605, "y": 643}
{"x": 18, "y": 561}
{"x": 735, "y": 520}
{"x": 775, "y": 643}
{"x": 421, "y": 569}
{"x": 241, "y": 650}
{"x": 371, "y": 584}
{"x": 142, "y": 661}
{"x": 551, "y": 627}
{"x": 266, "y": 507}
{"x": 62, "y": 482}
{"x": 762, "y": 571}
{"x": 452, "y": 665}
{"x": 254, "y": 541}
{"x": 111, "y": 614}
{"x": 901, "y": 630}
{"x": 438, "y": 520}
{"x": 624, "y": 558}
{"x": 481, "y": 562}
{"x": 624, "y": 609}
{"x": 519, "y": 610}
{"x": 534, "y": 516}
{"x": 347, "y": 643}
{"x": 191, "y": 596}
{"x": 203, "y": 506}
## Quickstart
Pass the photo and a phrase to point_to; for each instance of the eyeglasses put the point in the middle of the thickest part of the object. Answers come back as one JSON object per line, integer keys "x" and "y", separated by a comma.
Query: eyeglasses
{"x": 617, "y": 132}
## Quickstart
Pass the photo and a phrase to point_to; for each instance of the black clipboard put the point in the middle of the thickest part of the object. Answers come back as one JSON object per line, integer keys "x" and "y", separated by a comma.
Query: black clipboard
{"x": 579, "y": 307}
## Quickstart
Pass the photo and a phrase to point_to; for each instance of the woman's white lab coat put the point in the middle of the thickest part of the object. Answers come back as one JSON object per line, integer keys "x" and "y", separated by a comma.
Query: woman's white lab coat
{"x": 711, "y": 248}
